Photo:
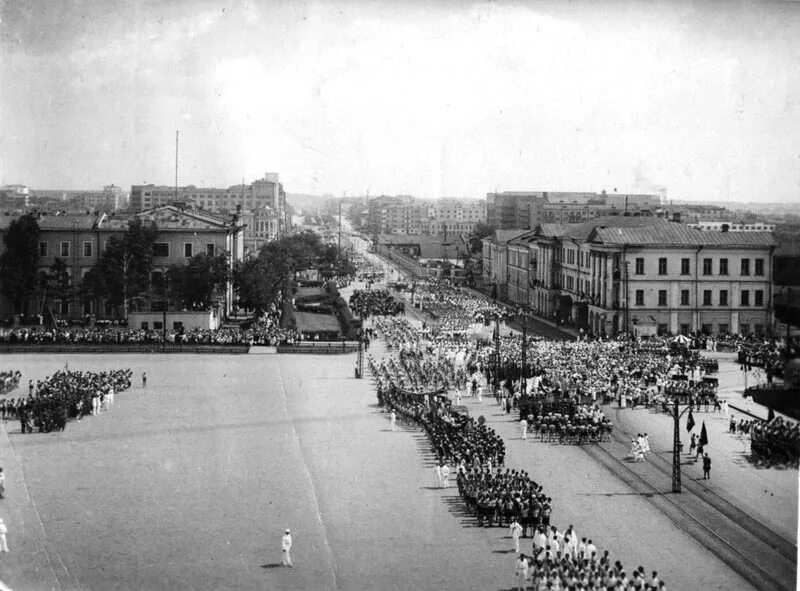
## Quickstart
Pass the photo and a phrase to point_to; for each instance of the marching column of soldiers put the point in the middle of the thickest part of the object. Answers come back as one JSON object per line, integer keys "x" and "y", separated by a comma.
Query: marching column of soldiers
{"x": 64, "y": 395}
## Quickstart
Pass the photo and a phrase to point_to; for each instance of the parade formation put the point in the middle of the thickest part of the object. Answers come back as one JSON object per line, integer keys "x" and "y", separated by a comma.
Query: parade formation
{"x": 557, "y": 392}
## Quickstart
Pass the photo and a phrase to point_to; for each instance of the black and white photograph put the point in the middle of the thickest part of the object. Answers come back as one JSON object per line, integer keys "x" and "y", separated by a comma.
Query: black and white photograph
{"x": 366, "y": 295}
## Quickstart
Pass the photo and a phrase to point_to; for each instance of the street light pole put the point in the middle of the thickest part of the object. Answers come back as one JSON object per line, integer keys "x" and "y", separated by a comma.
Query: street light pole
{"x": 524, "y": 372}
{"x": 360, "y": 362}
{"x": 676, "y": 453}
{"x": 496, "y": 354}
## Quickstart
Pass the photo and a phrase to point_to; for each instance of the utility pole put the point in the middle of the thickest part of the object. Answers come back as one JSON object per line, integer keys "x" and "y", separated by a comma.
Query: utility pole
{"x": 676, "y": 453}
{"x": 360, "y": 361}
{"x": 497, "y": 354}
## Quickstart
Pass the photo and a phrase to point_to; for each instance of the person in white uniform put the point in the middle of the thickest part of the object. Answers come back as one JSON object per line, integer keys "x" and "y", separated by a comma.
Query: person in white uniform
{"x": 286, "y": 548}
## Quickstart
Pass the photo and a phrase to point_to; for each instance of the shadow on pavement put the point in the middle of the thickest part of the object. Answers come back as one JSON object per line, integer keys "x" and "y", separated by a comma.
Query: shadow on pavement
{"x": 272, "y": 565}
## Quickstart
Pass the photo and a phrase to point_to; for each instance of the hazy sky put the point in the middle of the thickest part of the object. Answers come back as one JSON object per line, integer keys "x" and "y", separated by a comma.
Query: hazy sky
{"x": 428, "y": 98}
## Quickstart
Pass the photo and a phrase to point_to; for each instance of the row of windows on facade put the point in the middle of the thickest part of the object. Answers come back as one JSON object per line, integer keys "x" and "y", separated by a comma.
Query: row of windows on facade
{"x": 160, "y": 249}
{"x": 517, "y": 259}
{"x": 722, "y": 328}
{"x": 723, "y": 299}
{"x": 708, "y": 266}
{"x": 744, "y": 295}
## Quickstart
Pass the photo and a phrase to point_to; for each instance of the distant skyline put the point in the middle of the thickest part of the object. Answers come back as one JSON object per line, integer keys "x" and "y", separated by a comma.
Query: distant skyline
{"x": 694, "y": 100}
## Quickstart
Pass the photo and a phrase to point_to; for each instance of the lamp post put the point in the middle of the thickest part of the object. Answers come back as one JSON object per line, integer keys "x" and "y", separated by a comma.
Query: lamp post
{"x": 360, "y": 361}
{"x": 496, "y": 353}
{"x": 520, "y": 312}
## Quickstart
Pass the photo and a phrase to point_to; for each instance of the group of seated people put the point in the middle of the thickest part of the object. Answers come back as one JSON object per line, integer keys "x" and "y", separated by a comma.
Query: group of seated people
{"x": 375, "y": 302}
{"x": 64, "y": 395}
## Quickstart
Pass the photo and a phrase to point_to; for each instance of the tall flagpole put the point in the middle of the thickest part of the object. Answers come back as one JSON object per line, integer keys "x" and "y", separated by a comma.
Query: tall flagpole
{"x": 176, "y": 164}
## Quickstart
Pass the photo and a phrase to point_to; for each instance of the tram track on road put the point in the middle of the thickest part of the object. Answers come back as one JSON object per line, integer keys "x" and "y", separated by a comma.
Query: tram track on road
{"x": 755, "y": 527}
{"x": 727, "y": 532}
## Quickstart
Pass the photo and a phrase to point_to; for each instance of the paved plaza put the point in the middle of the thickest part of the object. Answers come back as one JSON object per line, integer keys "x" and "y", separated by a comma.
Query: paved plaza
{"x": 189, "y": 483}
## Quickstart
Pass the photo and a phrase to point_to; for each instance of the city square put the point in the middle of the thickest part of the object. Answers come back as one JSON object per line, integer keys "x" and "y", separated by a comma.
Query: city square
{"x": 363, "y": 296}
{"x": 189, "y": 482}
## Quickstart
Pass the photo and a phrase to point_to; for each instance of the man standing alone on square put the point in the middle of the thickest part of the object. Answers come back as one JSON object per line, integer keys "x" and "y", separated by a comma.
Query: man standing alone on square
{"x": 286, "y": 548}
{"x": 706, "y": 467}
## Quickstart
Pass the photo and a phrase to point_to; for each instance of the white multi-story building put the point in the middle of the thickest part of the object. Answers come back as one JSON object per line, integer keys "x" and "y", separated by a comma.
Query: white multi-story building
{"x": 720, "y": 226}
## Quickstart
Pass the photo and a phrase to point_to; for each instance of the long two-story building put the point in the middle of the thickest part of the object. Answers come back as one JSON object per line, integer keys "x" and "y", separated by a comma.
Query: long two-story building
{"x": 79, "y": 241}
{"x": 638, "y": 274}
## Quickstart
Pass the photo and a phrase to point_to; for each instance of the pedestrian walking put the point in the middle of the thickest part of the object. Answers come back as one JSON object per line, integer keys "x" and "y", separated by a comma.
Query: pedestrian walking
{"x": 516, "y": 531}
{"x": 3, "y": 541}
{"x": 480, "y": 393}
{"x": 693, "y": 444}
{"x": 393, "y": 420}
{"x": 523, "y": 425}
{"x": 706, "y": 467}
{"x": 438, "y": 471}
{"x": 144, "y": 380}
{"x": 2, "y": 484}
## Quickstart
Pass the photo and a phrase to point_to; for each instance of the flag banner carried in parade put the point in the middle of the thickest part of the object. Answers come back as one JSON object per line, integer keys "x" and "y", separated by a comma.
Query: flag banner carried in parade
{"x": 703, "y": 435}
{"x": 690, "y": 422}
{"x": 771, "y": 415}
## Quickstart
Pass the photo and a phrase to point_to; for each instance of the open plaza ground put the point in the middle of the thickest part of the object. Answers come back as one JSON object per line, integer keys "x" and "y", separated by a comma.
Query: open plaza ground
{"x": 189, "y": 483}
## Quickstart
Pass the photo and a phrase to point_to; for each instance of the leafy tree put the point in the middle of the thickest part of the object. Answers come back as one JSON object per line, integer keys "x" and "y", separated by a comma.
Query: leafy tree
{"x": 196, "y": 283}
{"x": 258, "y": 283}
{"x": 261, "y": 283}
{"x": 123, "y": 271}
{"x": 19, "y": 264}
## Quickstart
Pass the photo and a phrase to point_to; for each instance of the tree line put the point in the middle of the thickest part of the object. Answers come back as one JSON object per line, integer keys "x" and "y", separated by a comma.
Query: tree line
{"x": 123, "y": 274}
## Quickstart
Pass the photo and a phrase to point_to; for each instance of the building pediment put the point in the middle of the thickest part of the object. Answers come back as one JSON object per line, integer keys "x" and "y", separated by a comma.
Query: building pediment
{"x": 169, "y": 217}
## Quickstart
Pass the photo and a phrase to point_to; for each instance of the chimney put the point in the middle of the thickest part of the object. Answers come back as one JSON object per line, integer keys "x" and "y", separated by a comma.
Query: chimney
{"x": 676, "y": 217}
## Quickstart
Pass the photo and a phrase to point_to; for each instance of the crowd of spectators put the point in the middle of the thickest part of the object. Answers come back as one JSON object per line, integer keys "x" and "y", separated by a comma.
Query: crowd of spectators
{"x": 256, "y": 334}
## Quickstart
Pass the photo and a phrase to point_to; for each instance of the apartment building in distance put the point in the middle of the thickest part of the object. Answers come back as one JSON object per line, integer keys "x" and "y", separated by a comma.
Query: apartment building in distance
{"x": 414, "y": 217}
{"x": 638, "y": 274}
{"x": 526, "y": 210}
{"x": 263, "y": 200}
